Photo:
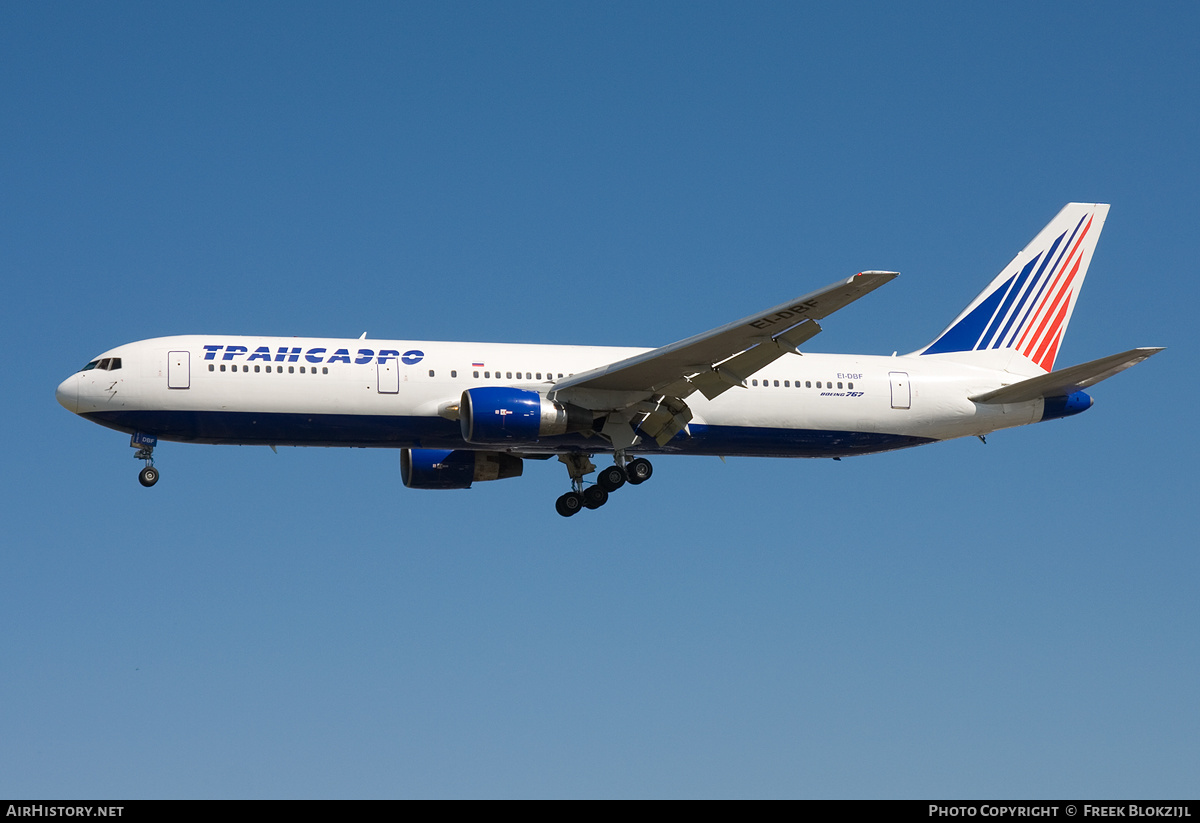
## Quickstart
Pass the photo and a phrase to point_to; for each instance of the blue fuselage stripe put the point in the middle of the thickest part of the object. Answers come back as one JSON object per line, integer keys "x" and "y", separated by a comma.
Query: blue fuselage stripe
{"x": 383, "y": 431}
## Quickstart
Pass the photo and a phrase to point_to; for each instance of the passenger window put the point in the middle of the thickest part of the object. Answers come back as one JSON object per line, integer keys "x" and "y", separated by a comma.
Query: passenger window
{"x": 268, "y": 369}
{"x": 256, "y": 368}
{"x": 776, "y": 384}
{"x": 291, "y": 369}
{"x": 431, "y": 372}
{"x": 508, "y": 375}
{"x": 302, "y": 370}
{"x": 486, "y": 374}
{"x": 754, "y": 382}
{"x": 787, "y": 384}
{"x": 808, "y": 384}
{"x": 324, "y": 369}
{"x": 476, "y": 373}
{"x": 850, "y": 385}
{"x": 839, "y": 384}
{"x": 453, "y": 373}
{"x": 222, "y": 367}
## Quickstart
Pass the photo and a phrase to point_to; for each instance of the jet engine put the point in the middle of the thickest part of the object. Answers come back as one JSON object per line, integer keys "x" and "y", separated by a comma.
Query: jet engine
{"x": 446, "y": 469}
{"x": 500, "y": 416}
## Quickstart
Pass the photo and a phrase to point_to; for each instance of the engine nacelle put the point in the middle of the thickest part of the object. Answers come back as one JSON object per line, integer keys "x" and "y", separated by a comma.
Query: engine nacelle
{"x": 501, "y": 415}
{"x": 445, "y": 469}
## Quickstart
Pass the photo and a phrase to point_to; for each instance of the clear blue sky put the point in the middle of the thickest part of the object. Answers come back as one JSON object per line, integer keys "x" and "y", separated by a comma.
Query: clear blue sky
{"x": 1012, "y": 620}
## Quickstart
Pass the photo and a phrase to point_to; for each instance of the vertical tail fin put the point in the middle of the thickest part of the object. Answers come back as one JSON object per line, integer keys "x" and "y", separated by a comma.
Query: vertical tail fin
{"x": 1026, "y": 309}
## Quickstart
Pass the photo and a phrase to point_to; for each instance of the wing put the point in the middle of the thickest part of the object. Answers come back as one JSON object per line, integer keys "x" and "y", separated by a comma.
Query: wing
{"x": 651, "y": 387}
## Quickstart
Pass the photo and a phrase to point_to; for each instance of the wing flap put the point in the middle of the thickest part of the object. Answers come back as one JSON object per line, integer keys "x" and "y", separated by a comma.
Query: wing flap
{"x": 734, "y": 371}
{"x": 1066, "y": 381}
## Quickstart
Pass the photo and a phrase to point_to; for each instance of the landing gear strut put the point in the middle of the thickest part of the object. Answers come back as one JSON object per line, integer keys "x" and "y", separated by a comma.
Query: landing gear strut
{"x": 145, "y": 443}
{"x": 607, "y": 481}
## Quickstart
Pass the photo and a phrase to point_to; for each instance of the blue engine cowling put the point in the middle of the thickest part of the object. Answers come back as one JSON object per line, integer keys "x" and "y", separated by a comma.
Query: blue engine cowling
{"x": 502, "y": 415}
{"x": 1074, "y": 403}
{"x": 446, "y": 469}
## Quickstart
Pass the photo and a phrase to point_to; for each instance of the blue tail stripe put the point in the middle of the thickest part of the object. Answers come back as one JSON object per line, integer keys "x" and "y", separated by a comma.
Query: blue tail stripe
{"x": 1010, "y": 297}
{"x": 1022, "y": 306}
{"x": 964, "y": 335}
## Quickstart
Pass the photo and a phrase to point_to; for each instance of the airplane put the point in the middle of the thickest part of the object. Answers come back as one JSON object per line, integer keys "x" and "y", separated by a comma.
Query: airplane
{"x": 462, "y": 413}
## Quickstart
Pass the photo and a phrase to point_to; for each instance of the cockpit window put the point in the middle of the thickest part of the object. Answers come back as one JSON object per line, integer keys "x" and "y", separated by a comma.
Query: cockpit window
{"x": 107, "y": 364}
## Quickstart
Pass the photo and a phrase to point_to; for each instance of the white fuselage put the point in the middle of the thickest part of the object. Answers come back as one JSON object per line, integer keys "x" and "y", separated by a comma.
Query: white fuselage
{"x": 403, "y": 394}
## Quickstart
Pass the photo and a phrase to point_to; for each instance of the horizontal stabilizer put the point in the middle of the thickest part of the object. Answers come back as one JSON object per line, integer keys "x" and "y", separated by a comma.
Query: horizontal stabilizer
{"x": 1067, "y": 381}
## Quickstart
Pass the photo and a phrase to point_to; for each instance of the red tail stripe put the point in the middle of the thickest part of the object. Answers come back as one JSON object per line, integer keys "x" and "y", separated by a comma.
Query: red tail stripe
{"x": 1053, "y": 292}
{"x": 1054, "y": 312}
{"x": 1051, "y": 336}
{"x": 1056, "y": 327}
{"x": 1048, "y": 362}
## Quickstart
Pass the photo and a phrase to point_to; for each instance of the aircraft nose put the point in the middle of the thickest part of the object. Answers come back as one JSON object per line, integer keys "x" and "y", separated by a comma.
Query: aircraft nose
{"x": 67, "y": 394}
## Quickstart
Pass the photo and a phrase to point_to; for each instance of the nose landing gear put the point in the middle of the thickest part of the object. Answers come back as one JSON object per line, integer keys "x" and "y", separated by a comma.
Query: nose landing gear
{"x": 145, "y": 443}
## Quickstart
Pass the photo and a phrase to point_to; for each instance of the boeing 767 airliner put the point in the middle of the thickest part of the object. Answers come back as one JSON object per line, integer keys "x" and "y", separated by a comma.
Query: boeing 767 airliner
{"x": 468, "y": 412}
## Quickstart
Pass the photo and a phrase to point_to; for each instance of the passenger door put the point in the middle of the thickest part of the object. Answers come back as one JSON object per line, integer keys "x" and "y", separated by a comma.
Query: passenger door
{"x": 179, "y": 370}
{"x": 389, "y": 376}
{"x": 901, "y": 390}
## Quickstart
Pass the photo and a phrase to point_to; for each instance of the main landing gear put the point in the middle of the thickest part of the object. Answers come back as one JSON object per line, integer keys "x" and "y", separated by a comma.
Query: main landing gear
{"x": 145, "y": 443}
{"x": 634, "y": 472}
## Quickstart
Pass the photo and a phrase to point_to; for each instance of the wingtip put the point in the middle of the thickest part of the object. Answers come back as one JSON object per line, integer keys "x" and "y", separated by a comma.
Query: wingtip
{"x": 872, "y": 279}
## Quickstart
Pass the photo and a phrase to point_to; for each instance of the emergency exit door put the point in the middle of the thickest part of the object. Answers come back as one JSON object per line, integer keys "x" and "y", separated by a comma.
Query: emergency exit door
{"x": 389, "y": 376}
{"x": 179, "y": 370}
{"x": 901, "y": 390}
